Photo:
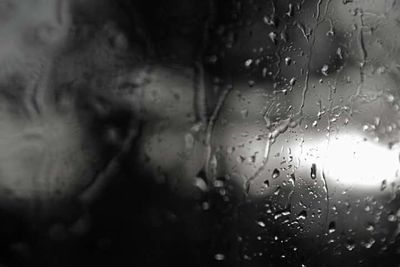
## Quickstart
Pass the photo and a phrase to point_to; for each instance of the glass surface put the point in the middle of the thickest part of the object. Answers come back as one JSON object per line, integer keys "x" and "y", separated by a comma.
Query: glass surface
{"x": 200, "y": 133}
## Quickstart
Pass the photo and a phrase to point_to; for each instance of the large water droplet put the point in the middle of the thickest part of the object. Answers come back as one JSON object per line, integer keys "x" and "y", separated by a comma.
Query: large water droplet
{"x": 332, "y": 227}
{"x": 313, "y": 171}
{"x": 275, "y": 174}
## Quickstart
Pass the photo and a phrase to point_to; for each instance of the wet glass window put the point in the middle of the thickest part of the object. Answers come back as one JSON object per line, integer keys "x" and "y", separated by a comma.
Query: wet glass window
{"x": 199, "y": 133}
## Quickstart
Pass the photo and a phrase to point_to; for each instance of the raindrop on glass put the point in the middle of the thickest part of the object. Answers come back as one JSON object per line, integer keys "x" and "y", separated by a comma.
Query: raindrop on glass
{"x": 313, "y": 171}
{"x": 350, "y": 245}
{"x": 324, "y": 70}
{"x": 332, "y": 227}
{"x": 219, "y": 257}
{"x": 275, "y": 174}
{"x": 302, "y": 215}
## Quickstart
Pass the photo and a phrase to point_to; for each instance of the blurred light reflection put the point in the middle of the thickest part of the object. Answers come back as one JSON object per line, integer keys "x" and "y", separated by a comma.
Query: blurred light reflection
{"x": 352, "y": 160}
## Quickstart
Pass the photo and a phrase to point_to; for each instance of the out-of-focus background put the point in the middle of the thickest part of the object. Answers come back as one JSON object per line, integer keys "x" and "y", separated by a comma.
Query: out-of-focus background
{"x": 199, "y": 133}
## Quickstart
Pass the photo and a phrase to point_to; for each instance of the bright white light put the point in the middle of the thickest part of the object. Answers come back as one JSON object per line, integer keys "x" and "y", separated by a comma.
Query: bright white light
{"x": 352, "y": 161}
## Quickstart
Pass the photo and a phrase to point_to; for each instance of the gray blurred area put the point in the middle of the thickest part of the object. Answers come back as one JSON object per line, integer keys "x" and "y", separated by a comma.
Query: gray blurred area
{"x": 199, "y": 133}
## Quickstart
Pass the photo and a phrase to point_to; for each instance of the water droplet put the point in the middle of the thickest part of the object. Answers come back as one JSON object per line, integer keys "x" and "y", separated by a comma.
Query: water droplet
{"x": 281, "y": 213}
{"x": 219, "y": 257}
{"x": 339, "y": 53}
{"x": 350, "y": 245}
{"x": 272, "y": 36}
{"x": 369, "y": 243}
{"x": 241, "y": 159}
{"x": 390, "y": 98}
{"x": 315, "y": 123}
{"x": 302, "y": 215}
{"x": 332, "y": 227}
{"x": 266, "y": 183}
{"x": 277, "y": 190}
{"x": 324, "y": 70}
{"x": 251, "y": 83}
{"x": 248, "y": 63}
{"x": 292, "y": 179}
{"x": 313, "y": 171}
{"x": 261, "y": 224}
{"x": 370, "y": 227}
{"x": 200, "y": 184}
{"x": 269, "y": 20}
{"x": 275, "y": 174}
{"x": 289, "y": 13}
{"x": 392, "y": 218}
{"x": 288, "y": 61}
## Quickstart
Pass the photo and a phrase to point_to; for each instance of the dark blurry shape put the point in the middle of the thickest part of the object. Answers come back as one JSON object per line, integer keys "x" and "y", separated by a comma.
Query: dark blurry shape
{"x": 199, "y": 133}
